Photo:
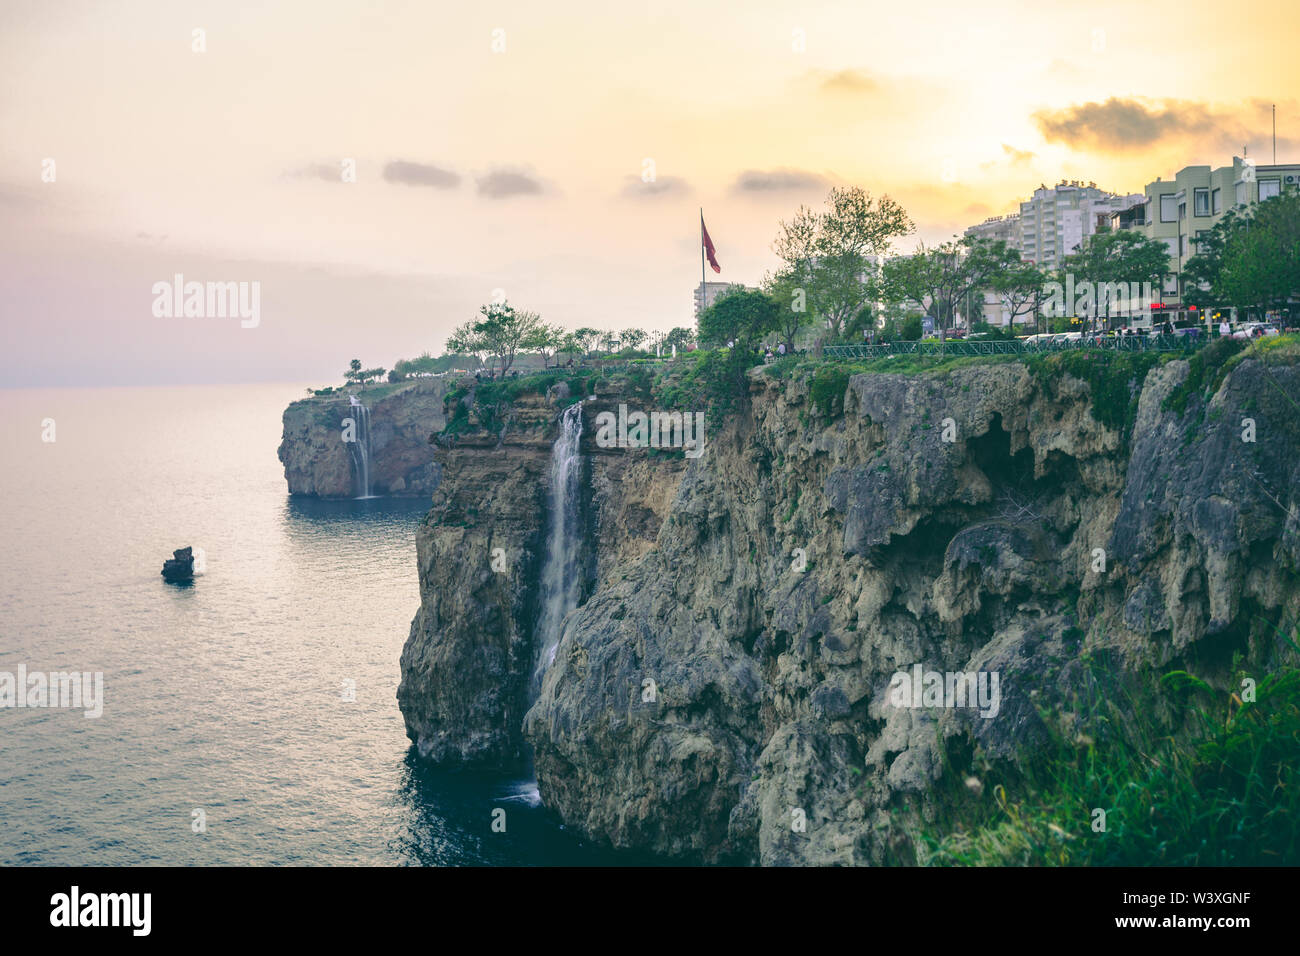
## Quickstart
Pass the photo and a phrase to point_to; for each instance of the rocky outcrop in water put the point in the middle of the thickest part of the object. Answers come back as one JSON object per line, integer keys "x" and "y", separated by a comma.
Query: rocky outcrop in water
{"x": 179, "y": 567}
{"x": 402, "y": 417}
{"x": 727, "y": 674}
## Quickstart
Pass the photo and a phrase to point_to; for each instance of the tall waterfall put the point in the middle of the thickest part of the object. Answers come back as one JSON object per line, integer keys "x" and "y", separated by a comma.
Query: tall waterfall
{"x": 359, "y": 448}
{"x": 561, "y": 575}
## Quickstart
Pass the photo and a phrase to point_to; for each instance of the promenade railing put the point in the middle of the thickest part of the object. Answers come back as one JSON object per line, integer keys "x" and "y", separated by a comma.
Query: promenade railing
{"x": 959, "y": 347}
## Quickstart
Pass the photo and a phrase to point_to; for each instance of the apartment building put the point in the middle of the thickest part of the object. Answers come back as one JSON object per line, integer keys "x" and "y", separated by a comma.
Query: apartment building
{"x": 1180, "y": 210}
{"x": 707, "y": 293}
{"x": 1006, "y": 228}
{"x": 1055, "y": 221}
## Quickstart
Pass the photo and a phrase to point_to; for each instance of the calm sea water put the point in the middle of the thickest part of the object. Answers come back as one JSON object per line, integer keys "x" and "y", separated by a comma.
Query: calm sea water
{"x": 226, "y": 696}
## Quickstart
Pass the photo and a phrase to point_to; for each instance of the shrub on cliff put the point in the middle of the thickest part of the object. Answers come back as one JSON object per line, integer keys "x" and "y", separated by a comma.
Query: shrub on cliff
{"x": 1114, "y": 379}
{"x": 713, "y": 381}
{"x": 1226, "y": 794}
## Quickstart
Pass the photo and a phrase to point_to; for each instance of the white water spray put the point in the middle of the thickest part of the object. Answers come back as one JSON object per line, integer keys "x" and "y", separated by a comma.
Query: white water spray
{"x": 561, "y": 585}
{"x": 359, "y": 448}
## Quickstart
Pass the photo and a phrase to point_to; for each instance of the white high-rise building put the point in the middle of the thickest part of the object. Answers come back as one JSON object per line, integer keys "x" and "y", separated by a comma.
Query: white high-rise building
{"x": 1056, "y": 220}
{"x": 707, "y": 293}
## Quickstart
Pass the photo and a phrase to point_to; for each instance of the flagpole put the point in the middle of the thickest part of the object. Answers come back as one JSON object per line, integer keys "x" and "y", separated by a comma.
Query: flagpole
{"x": 704, "y": 287}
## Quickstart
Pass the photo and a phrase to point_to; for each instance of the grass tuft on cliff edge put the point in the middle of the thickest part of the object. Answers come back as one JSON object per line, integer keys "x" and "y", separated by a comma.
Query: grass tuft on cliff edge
{"x": 1225, "y": 793}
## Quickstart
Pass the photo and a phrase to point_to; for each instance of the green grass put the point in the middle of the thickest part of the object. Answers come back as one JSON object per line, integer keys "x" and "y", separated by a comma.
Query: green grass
{"x": 1225, "y": 791}
{"x": 1207, "y": 369}
{"x": 1114, "y": 380}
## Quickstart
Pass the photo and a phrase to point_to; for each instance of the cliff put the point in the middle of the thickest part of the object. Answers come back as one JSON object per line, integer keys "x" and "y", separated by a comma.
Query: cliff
{"x": 403, "y": 416}
{"x": 744, "y": 612}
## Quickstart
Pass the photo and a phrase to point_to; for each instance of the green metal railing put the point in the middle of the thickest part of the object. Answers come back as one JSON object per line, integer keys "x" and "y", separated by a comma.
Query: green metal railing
{"x": 956, "y": 347}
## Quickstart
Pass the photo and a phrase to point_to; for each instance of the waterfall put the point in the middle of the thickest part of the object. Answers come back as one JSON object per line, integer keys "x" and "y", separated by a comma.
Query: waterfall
{"x": 359, "y": 448}
{"x": 561, "y": 576}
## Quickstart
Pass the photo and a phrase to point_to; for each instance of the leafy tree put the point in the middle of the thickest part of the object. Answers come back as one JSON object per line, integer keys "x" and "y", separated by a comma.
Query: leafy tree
{"x": 742, "y": 316}
{"x": 912, "y": 329}
{"x": 1124, "y": 258}
{"x": 1261, "y": 258}
{"x": 353, "y": 373}
{"x": 791, "y": 304}
{"x": 682, "y": 338}
{"x": 1020, "y": 287}
{"x": 825, "y": 253}
{"x": 1203, "y": 273}
{"x": 500, "y": 333}
{"x": 544, "y": 339}
{"x": 632, "y": 338}
{"x": 587, "y": 338}
{"x": 941, "y": 277}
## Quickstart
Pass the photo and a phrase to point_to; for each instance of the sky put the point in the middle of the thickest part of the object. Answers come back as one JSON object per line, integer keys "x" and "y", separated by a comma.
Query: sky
{"x": 556, "y": 155}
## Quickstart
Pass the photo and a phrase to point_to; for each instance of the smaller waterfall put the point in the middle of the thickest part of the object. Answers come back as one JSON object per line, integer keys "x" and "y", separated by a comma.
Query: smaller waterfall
{"x": 359, "y": 448}
{"x": 561, "y": 586}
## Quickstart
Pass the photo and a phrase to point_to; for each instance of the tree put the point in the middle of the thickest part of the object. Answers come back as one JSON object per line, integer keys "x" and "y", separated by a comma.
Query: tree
{"x": 1115, "y": 263}
{"x": 632, "y": 338}
{"x": 587, "y": 338}
{"x": 940, "y": 277}
{"x": 1021, "y": 288}
{"x": 742, "y": 316}
{"x": 1261, "y": 258}
{"x": 500, "y": 333}
{"x": 545, "y": 339}
{"x": 826, "y": 254}
{"x": 682, "y": 338}
{"x": 791, "y": 304}
{"x": 354, "y": 371}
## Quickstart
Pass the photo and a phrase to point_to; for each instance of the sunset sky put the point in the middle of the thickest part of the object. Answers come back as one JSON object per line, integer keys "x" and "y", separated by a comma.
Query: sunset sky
{"x": 520, "y": 168}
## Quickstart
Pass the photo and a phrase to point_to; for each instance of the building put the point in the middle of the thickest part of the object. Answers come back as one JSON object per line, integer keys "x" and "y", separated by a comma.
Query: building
{"x": 1006, "y": 228}
{"x": 707, "y": 293}
{"x": 1180, "y": 210}
{"x": 1054, "y": 222}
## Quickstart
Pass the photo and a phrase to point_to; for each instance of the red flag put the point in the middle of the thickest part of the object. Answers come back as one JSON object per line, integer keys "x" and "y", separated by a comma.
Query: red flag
{"x": 708, "y": 246}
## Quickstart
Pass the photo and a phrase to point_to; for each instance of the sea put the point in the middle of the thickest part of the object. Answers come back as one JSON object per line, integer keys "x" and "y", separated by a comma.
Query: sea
{"x": 249, "y": 717}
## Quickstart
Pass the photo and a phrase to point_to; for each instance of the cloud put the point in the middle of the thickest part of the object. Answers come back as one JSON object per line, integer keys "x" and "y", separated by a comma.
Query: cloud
{"x": 635, "y": 188}
{"x": 420, "y": 174}
{"x": 323, "y": 171}
{"x": 1121, "y": 124}
{"x": 845, "y": 81}
{"x": 782, "y": 179}
{"x": 504, "y": 183}
{"x": 1128, "y": 124}
{"x": 1012, "y": 156}
{"x": 1017, "y": 155}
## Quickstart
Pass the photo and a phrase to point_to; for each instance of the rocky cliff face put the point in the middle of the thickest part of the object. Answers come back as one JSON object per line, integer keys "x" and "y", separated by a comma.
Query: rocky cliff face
{"x": 728, "y": 672}
{"x": 402, "y": 419}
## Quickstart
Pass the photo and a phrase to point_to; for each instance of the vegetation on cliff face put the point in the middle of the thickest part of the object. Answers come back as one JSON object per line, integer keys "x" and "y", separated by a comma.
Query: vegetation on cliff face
{"x": 1225, "y": 791}
{"x": 1114, "y": 378}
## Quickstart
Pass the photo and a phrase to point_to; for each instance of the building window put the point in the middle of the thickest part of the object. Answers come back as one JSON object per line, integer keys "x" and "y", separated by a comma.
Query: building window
{"x": 1268, "y": 188}
{"x": 1200, "y": 234}
{"x": 1216, "y": 202}
{"x": 1182, "y": 211}
{"x": 1168, "y": 208}
{"x": 1182, "y": 245}
{"x": 1201, "y": 200}
{"x": 1241, "y": 194}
